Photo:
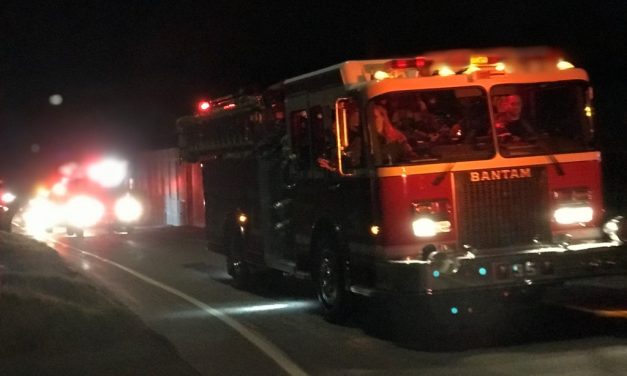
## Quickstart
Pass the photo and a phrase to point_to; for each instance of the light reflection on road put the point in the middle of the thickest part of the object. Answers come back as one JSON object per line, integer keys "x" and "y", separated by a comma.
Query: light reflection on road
{"x": 262, "y": 307}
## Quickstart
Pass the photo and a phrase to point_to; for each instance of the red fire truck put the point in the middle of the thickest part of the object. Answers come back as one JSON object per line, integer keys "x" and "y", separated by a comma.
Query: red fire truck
{"x": 456, "y": 173}
{"x": 94, "y": 194}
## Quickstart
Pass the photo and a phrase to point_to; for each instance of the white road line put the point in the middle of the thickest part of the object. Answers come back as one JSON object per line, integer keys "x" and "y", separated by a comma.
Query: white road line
{"x": 265, "y": 346}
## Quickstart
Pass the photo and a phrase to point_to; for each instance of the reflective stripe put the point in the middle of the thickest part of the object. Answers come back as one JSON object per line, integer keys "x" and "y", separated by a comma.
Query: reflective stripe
{"x": 496, "y": 162}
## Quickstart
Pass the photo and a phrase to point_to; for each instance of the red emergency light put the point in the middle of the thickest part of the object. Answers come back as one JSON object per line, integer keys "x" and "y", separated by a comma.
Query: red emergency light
{"x": 418, "y": 62}
{"x": 204, "y": 106}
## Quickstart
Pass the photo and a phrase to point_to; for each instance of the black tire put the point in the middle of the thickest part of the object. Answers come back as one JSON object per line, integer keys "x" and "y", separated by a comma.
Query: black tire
{"x": 330, "y": 281}
{"x": 236, "y": 266}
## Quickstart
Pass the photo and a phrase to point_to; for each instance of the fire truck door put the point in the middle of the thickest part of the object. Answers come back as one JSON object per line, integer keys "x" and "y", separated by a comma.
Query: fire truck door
{"x": 289, "y": 190}
{"x": 276, "y": 205}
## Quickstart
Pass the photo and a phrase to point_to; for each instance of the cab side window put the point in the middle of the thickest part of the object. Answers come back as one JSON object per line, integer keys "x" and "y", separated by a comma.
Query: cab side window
{"x": 318, "y": 131}
{"x": 352, "y": 152}
{"x": 301, "y": 145}
{"x": 309, "y": 135}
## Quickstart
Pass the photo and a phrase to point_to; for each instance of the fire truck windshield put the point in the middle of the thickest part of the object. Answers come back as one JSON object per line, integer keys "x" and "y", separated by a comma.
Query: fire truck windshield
{"x": 542, "y": 118}
{"x": 430, "y": 126}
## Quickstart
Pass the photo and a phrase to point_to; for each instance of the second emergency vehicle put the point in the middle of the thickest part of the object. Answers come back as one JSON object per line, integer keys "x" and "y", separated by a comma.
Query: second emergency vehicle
{"x": 97, "y": 193}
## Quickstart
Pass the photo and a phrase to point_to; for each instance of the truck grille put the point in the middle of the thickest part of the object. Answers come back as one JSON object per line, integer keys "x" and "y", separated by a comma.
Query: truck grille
{"x": 500, "y": 208}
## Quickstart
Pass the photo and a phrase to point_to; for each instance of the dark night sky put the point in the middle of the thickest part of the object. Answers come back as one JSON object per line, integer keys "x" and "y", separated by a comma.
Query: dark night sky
{"x": 128, "y": 69}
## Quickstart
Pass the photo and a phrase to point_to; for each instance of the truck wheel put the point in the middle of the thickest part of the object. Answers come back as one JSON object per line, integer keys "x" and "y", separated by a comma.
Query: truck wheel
{"x": 330, "y": 286}
{"x": 235, "y": 264}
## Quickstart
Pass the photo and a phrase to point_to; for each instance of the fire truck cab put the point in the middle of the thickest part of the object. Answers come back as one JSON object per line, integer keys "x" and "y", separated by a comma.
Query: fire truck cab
{"x": 453, "y": 172}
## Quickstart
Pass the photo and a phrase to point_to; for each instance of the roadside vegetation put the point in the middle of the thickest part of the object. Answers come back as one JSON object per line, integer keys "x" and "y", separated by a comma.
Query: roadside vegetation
{"x": 53, "y": 322}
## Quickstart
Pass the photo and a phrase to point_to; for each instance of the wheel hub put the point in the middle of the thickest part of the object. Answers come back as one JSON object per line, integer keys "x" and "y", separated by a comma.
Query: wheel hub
{"x": 328, "y": 280}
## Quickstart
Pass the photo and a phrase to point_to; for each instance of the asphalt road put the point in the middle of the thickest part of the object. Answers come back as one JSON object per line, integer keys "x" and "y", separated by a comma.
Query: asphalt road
{"x": 182, "y": 291}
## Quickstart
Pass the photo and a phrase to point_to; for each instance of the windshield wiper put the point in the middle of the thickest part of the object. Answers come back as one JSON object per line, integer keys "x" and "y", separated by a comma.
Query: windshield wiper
{"x": 556, "y": 163}
{"x": 517, "y": 150}
{"x": 438, "y": 179}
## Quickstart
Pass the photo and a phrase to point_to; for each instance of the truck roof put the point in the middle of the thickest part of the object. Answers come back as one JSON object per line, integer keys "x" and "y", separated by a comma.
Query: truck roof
{"x": 445, "y": 62}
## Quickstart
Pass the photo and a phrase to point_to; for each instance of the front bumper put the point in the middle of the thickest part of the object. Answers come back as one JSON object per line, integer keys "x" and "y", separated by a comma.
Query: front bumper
{"x": 475, "y": 288}
{"x": 520, "y": 269}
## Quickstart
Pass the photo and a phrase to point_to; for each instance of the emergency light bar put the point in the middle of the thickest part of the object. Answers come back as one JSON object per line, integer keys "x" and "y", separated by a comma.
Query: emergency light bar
{"x": 418, "y": 62}
{"x": 109, "y": 172}
{"x": 480, "y": 63}
{"x": 485, "y": 60}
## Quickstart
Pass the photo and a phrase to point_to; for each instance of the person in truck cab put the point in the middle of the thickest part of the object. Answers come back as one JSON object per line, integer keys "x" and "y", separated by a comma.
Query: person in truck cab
{"x": 393, "y": 143}
{"x": 509, "y": 124}
{"x": 352, "y": 153}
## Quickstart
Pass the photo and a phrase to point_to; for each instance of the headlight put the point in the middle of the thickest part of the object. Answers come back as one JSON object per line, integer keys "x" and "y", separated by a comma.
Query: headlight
{"x": 8, "y": 197}
{"x": 572, "y": 215}
{"x": 573, "y": 205}
{"x": 426, "y": 227}
{"x": 41, "y": 214}
{"x": 432, "y": 217}
{"x": 128, "y": 209}
{"x": 84, "y": 211}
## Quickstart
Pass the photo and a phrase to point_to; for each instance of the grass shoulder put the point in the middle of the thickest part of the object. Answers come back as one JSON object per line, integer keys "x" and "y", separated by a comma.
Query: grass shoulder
{"x": 54, "y": 322}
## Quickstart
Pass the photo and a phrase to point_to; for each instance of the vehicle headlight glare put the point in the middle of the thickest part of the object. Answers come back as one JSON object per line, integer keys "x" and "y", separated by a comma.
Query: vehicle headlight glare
{"x": 427, "y": 227}
{"x": 84, "y": 211}
{"x": 109, "y": 173}
{"x": 128, "y": 209}
{"x": 41, "y": 214}
{"x": 572, "y": 215}
{"x": 424, "y": 228}
{"x": 8, "y": 197}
